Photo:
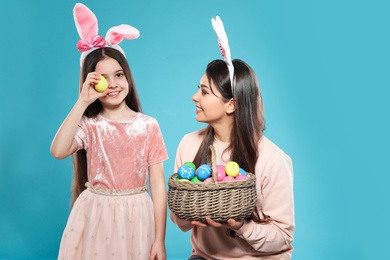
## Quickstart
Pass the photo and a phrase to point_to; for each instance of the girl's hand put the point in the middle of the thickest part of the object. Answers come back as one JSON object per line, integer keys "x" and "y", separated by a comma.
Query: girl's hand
{"x": 231, "y": 223}
{"x": 158, "y": 251}
{"x": 88, "y": 92}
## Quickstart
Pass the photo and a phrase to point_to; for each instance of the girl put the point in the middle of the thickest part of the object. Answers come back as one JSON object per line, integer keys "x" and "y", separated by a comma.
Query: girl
{"x": 115, "y": 149}
{"x": 229, "y": 101}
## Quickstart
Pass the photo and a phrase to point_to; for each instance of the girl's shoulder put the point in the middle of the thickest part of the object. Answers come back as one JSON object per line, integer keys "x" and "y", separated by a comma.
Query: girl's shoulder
{"x": 145, "y": 117}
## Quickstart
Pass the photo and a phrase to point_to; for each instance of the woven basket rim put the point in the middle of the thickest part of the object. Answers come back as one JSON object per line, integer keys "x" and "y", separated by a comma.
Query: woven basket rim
{"x": 214, "y": 184}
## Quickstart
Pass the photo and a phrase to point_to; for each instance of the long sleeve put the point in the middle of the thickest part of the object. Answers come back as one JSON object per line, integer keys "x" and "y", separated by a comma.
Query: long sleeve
{"x": 275, "y": 205}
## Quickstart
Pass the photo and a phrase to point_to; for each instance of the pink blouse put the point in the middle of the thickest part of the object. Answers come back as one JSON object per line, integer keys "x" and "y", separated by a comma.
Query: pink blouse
{"x": 275, "y": 202}
{"x": 120, "y": 152}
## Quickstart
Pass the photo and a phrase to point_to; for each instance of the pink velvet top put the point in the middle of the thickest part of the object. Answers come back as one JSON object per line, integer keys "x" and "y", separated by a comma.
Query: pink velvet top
{"x": 119, "y": 152}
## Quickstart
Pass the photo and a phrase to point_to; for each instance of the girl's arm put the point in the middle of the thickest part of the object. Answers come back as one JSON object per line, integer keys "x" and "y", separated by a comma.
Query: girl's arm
{"x": 64, "y": 143}
{"x": 159, "y": 194}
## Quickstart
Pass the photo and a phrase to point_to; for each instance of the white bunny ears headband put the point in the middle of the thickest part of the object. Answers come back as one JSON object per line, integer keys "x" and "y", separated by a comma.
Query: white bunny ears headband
{"x": 87, "y": 27}
{"x": 223, "y": 46}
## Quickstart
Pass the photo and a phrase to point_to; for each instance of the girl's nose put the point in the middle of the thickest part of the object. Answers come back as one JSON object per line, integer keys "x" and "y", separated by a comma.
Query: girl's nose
{"x": 111, "y": 83}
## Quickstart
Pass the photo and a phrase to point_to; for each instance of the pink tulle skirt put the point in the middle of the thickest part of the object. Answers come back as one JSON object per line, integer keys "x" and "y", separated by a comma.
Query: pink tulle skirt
{"x": 109, "y": 227}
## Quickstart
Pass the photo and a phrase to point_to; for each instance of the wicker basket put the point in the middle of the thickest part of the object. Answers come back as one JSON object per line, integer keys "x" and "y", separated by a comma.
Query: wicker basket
{"x": 218, "y": 200}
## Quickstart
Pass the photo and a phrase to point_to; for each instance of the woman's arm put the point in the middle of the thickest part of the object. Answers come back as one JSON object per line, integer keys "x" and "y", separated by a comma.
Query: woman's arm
{"x": 275, "y": 191}
{"x": 275, "y": 232}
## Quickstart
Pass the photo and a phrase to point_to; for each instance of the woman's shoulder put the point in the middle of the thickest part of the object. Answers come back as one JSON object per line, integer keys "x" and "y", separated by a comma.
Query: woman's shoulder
{"x": 193, "y": 137}
{"x": 191, "y": 141}
{"x": 267, "y": 148}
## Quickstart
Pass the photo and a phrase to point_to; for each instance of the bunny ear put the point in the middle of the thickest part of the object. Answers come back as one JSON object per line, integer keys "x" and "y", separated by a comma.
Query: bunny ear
{"x": 116, "y": 34}
{"x": 222, "y": 38}
{"x": 86, "y": 22}
{"x": 223, "y": 45}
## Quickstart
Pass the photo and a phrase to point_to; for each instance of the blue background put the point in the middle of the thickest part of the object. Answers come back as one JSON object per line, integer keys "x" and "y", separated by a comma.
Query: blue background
{"x": 323, "y": 68}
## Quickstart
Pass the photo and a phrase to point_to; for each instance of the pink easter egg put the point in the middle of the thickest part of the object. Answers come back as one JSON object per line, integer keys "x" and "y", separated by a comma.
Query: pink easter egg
{"x": 241, "y": 177}
{"x": 228, "y": 178}
{"x": 221, "y": 174}
{"x": 208, "y": 180}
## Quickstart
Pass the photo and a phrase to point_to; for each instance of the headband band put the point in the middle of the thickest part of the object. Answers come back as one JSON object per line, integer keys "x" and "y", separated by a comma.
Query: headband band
{"x": 87, "y": 27}
{"x": 223, "y": 46}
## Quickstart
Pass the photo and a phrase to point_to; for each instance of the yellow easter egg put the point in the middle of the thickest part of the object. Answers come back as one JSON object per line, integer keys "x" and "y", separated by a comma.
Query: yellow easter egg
{"x": 184, "y": 180}
{"x": 232, "y": 169}
{"x": 102, "y": 84}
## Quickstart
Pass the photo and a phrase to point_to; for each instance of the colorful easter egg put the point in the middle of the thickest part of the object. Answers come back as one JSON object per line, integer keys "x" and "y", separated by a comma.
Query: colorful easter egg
{"x": 203, "y": 172}
{"x": 195, "y": 179}
{"x": 228, "y": 178}
{"x": 243, "y": 172}
{"x": 186, "y": 172}
{"x": 232, "y": 169}
{"x": 102, "y": 84}
{"x": 191, "y": 164}
{"x": 221, "y": 174}
{"x": 208, "y": 180}
{"x": 241, "y": 177}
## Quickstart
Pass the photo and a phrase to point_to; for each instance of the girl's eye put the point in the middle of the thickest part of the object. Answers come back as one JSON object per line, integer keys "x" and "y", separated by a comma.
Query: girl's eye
{"x": 119, "y": 74}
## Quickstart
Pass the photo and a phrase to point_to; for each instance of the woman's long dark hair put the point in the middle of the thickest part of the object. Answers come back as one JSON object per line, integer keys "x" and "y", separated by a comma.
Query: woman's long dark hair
{"x": 132, "y": 100}
{"x": 249, "y": 122}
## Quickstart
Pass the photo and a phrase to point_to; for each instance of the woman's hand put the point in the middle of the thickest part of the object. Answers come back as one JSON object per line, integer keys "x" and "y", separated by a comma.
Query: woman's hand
{"x": 231, "y": 223}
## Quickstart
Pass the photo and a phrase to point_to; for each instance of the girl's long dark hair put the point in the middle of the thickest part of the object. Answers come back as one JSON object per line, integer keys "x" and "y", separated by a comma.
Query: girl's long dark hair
{"x": 249, "y": 122}
{"x": 80, "y": 176}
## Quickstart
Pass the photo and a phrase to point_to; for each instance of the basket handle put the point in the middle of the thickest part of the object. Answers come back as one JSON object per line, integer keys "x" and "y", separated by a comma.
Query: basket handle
{"x": 213, "y": 161}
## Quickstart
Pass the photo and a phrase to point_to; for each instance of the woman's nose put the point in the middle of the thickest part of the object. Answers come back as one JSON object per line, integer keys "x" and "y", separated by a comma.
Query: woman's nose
{"x": 195, "y": 97}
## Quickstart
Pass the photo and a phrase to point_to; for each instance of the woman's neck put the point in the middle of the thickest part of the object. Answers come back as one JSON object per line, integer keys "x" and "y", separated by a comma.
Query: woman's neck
{"x": 222, "y": 133}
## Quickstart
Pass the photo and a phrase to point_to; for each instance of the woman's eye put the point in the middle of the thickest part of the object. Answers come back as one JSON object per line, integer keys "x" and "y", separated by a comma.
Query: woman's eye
{"x": 203, "y": 90}
{"x": 120, "y": 74}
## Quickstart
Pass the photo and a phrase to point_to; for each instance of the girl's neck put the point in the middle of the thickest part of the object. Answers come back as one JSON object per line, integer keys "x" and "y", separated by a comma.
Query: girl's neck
{"x": 122, "y": 113}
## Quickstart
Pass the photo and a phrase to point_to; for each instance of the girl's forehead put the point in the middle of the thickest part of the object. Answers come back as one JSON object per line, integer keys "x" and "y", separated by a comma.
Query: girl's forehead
{"x": 108, "y": 64}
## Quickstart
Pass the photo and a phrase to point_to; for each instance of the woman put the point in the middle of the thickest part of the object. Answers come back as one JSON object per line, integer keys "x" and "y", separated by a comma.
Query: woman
{"x": 235, "y": 117}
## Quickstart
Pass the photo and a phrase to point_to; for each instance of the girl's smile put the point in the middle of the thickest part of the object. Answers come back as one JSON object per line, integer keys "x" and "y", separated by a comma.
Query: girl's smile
{"x": 118, "y": 87}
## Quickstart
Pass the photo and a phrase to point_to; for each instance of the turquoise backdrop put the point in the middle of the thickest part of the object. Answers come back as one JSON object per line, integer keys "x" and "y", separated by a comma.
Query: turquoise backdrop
{"x": 323, "y": 68}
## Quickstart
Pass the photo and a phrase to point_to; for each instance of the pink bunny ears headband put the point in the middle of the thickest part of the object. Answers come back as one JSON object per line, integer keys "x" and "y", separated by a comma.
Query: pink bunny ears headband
{"x": 87, "y": 27}
{"x": 223, "y": 45}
